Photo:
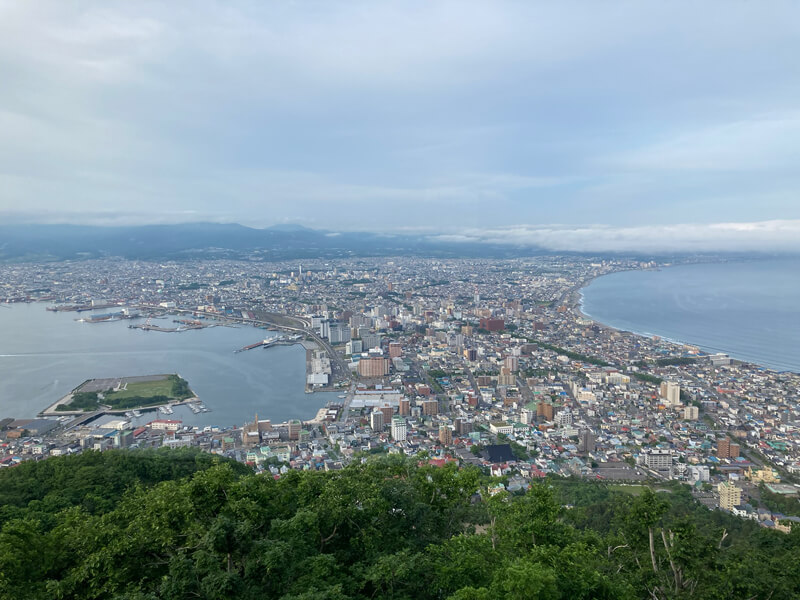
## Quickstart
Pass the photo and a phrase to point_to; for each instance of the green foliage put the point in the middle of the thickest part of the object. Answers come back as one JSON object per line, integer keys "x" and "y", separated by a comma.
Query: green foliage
{"x": 788, "y": 505}
{"x": 136, "y": 401}
{"x": 146, "y": 525}
{"x": 180, "y": 388}
{"x": 519, "y": 451}
{"x": 675, "y": 360}
{"x": 646, "y": 377}
{"x": 572, "y": 355}
{"x": 86, "y": 401}
{"x": 438, "y": 373}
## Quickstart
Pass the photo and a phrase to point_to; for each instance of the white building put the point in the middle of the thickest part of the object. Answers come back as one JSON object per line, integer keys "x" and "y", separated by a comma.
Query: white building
{"x": 563, "y": 418}
{"x": 658, "y": 460}
{"x": 691, "y": 413}
{"x": 501, "y": 427}
{"x": 398, "y": 429}
{"x": 376, "y": 420}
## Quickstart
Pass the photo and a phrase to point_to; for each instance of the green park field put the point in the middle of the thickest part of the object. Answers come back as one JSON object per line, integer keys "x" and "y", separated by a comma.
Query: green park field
{"x": 128, "y": 392}
{"x": 144, "y": 389}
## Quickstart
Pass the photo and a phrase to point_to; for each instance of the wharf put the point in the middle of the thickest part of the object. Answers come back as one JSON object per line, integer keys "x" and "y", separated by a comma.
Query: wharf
{"x": 147, "y": 327}
{"x": 280, "y": 340}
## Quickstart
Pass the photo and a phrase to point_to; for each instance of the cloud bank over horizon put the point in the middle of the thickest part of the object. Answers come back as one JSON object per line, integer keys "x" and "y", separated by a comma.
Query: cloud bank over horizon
{"x": 782, "y": 236}
{"x": 387, "y": 116}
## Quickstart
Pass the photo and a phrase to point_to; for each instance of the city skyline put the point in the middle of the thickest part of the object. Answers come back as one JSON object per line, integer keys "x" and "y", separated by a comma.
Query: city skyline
{"x": 571, "y": 127}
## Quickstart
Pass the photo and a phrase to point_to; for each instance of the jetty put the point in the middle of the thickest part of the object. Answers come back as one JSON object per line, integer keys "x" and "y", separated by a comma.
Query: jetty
{"x": 279, "y": 340}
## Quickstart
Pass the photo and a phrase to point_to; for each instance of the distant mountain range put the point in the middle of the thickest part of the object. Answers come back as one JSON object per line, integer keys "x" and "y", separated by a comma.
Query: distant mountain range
{"x": 215, "y": 240}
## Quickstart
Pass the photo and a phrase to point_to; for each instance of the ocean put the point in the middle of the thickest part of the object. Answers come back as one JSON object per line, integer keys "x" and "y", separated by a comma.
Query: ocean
{"x": 44, "y": 355}
{"x": 748, "y": 309}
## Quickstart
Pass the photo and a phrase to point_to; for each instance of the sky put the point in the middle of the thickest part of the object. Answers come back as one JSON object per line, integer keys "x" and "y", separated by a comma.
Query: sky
{"x": 559, "y": 123}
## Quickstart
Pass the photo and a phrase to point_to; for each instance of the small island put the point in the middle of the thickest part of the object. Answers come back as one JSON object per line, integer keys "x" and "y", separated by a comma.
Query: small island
{"x": 123, "y": 393}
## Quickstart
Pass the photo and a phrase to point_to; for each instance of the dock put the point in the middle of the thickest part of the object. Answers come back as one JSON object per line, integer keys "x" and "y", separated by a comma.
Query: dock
{"x": 280, "y": 340}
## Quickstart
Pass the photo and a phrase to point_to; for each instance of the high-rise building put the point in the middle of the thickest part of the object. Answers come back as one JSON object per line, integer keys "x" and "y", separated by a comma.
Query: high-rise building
{"x": 374, "y": 366}
{"x": 405, "y": 407}
{"x": 545, "y": 410}
{"x": 506, "y": 377}
{"x": 492, "y": 324}
{"x": 430, "y": 407}
{"x": 338, "y": 333}
{"x": 445, "y": 435}
{"x": 671, "y": 392}
{"x": 512, "y": 363}
{"x": 398, "y": 429}
{"x": 729, "y": 495}
{"x": 294, "y": 429}
{"x": 395, "y": 350}
{"x": 586, "y": 441}
{"x": 370, "y": 341}
{"x": 354, "y": 347}
{"x": 388, "y": 413}
{"x": 727, "y": 449}
{"x": 376, "y": 420}
{"x": 463, "y": 427}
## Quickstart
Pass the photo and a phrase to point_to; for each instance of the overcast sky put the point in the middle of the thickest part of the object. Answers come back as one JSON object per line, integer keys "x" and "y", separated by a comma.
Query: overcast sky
{"x": 464, "y": 118}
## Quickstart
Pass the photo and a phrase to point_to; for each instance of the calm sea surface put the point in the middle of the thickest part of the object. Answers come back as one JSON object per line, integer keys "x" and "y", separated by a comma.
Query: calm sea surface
{"x": 44, "y": 355}
{"x": 750, "y": 310}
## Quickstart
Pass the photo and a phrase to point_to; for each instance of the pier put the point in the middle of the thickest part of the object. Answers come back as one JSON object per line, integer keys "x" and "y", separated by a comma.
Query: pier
{"x": 280, "y": 340}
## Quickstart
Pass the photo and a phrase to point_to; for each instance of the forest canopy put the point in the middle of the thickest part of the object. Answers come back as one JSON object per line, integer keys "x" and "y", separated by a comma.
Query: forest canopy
{"x": 139, "y": 525}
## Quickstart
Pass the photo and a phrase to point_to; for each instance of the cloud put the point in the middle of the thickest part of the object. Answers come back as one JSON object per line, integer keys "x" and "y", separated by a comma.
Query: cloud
{"x": 759, "y": 236}
{"x": 762, "y": 142}
{"x": 352, "y": 115}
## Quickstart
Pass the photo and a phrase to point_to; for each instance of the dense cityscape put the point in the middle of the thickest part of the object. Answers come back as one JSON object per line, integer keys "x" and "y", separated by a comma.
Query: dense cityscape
{"x": 468, "y": 361}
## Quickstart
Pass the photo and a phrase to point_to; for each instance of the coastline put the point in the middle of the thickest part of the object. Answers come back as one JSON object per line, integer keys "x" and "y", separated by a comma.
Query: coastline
{"x": 36, "y": 400}
{"x": 576, "y": 306}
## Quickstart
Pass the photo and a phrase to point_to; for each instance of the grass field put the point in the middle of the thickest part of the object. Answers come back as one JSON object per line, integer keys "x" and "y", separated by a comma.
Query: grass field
{"x": 144, "y": 389}
{"x": 633, "y": 490}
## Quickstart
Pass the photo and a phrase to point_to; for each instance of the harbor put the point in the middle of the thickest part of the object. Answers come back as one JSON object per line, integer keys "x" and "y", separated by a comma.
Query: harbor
{"x": 279, "y": 340}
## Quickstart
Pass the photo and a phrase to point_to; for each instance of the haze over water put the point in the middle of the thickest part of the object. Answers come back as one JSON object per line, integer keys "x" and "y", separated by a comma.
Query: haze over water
{"x": 44, "y": 355}
{"x": 749, "y": 310}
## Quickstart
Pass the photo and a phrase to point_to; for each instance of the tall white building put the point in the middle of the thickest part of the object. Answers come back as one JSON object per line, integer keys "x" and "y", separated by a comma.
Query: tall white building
{"x": 398, "y": 429}
{"x": 376, "y": 420}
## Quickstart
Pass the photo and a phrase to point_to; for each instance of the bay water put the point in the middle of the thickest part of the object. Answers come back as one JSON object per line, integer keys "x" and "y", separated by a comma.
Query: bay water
{"x": 44, "y": 355}
{"x": 748, "y": 309}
